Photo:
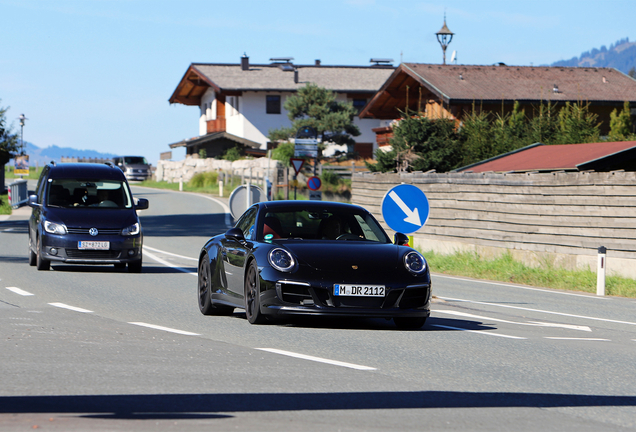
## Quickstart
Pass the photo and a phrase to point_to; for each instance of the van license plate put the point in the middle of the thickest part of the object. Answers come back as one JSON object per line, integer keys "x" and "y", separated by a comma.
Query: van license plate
{"x": 93, "y": 245}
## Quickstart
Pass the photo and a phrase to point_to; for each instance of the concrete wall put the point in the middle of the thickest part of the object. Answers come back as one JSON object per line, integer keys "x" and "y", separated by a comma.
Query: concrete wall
{"x": 560, "y": 218}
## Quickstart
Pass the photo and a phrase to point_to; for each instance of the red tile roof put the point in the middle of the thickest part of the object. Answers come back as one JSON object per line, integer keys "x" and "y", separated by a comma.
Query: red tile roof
{"x": 541, "y": 157}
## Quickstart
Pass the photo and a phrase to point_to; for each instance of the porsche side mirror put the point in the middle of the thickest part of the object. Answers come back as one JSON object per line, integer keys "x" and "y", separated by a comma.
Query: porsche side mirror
{"x": 401, "y": 239}
{"x": 235, "y": 234}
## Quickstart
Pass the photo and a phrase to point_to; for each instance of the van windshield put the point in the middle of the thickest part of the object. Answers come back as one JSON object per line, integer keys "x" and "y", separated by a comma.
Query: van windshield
{"x": 85, "y": 193}
{"x": 135, "y": 160}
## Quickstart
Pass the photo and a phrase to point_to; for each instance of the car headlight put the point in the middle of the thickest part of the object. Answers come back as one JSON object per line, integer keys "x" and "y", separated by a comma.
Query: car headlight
{"x": 131, "y": 230}
{"x": 281, "y": 260}
{"x": 415, "y": 263}
{"x": 54, "y": 228}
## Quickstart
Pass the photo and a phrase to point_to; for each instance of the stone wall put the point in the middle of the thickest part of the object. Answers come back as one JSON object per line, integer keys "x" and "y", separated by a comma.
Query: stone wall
{"x": 184, "y": 170}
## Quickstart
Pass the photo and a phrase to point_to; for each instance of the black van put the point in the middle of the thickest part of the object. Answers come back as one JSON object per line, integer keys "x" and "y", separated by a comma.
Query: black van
{"x": 84, "y": 213}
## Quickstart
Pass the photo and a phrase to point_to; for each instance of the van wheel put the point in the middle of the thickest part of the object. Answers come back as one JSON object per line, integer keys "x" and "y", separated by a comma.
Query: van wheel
{"x": 32, "y": 256}
{"x": 40, "y": 262}
{"x": 134, "y": 267}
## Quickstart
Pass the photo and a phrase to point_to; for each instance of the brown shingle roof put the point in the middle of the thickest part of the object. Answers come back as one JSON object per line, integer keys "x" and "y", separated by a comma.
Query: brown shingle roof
{"x": 481, "y": 83}
{"x": 271, "y": 77}
{"x": 568, "y": 157}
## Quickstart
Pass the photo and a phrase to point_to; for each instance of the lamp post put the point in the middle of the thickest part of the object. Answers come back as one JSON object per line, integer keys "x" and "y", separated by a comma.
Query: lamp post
{"x": 444, "y": 37}
{"x": 22, "y": 120}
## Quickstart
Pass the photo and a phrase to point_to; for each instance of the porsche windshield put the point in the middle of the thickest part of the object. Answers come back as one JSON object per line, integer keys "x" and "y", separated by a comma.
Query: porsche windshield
{"x": 327, "y": 224}
{"x": 82, "y": 193}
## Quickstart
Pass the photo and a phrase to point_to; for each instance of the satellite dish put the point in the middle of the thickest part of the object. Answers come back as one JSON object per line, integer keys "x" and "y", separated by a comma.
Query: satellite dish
{"x": 454, "y": 57}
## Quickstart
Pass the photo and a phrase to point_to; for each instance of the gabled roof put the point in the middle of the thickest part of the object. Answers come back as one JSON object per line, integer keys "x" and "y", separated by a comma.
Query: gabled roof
{"x": 215, "y": 136}
{"x": 230, "y": 78}
{"x": 604, "y": 156}
{"x": 467, "y": 84}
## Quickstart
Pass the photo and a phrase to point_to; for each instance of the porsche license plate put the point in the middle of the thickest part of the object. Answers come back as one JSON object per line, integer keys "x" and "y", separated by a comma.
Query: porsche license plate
{"x": 358, "y": 290}
{"x": 93, "y": 245}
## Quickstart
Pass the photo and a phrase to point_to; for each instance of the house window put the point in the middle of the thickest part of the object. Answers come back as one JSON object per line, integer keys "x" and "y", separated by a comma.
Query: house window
{"x": 358, "y": 104}
{"x": 273, "y": 104}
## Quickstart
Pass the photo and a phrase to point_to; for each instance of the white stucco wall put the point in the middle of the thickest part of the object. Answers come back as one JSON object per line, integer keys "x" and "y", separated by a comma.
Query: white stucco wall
{"x": 252, "y": 122}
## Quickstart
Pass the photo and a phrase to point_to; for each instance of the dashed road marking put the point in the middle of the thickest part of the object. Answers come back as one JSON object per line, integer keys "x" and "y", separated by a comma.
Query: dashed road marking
{"x": 19, "y": 291}
{"x": 168, "y": 329}
{"x": 73, "y": 308}
{"x": 317, "y": 359}
{"x": 489, "y": 333}
{"x": 166, "y": 263}
{"x": 578, "y": 339}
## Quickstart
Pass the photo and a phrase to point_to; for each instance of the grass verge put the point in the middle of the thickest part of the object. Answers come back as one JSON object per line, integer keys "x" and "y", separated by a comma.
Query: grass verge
{"x": 504, "y": 268}
{"x": 5, "y": 207}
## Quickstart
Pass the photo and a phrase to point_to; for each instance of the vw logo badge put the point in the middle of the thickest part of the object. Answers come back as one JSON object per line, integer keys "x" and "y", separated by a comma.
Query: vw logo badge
{"x": 93, "y": 232}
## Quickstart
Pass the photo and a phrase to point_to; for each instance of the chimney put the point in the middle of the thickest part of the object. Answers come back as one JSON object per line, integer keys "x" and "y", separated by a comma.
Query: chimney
{"x": 317, "y": 62}
{"x": 295, "y": 76}
{"x": 245, "y": 62}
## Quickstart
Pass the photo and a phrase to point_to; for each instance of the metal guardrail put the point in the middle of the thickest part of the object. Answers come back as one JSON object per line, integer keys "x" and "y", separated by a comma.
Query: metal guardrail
{"x": 18, "y": 193}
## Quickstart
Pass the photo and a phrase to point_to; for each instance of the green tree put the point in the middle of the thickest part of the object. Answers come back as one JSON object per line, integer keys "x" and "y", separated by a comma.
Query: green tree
{"x": 543, "y": 125}
{"x": 8, "y": 139}
{"x": 284, "y": 152}
{"x": 420, "y": 144}
{"x": 317, "y": 107}
{"x": 577, "y": 125}
{"x": 477, "y": 137}
{"x": 620, "y": 124}
{"x": 510, "y": 130}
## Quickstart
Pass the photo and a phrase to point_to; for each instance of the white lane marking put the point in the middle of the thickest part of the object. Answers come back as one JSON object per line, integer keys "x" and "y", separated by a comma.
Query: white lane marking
{"x": 168, "y": 329}
{"x": 317, "y": 359}
{"x": 169, "y": 253}
{"x": 531, "y": 323}
{"x": 19, "y": 291}
{"x": 478, "y": 331}
{"x": 541, "y": 311}
{"x": 166, "y": 263}
{"x": 578, "y": 339}
{"x": 73, "y": 308}
{"x": 589, "y": 296}
{"x": 7, "y": 230}
{"x": 226, "y": 209}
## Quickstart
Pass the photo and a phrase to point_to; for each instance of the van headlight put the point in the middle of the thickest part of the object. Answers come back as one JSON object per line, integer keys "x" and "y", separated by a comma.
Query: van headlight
{"x": 55, "y": 228}
{"x": 132, "y": 230}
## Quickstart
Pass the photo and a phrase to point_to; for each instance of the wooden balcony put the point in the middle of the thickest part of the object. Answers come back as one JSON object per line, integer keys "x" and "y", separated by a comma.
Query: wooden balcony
{"x": 217, "y": 125}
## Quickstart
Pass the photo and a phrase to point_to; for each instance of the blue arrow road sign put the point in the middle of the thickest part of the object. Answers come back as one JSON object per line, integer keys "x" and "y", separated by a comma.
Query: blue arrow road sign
{"x": 405, "y": 208}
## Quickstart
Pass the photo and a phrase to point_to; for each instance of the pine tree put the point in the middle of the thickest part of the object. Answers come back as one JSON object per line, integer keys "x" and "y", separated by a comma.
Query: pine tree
{"x": 8, "y": 140}
{"x": 577, "y": 125}
{"x": 620, "y": 124}
{"x": 317, "y": 107}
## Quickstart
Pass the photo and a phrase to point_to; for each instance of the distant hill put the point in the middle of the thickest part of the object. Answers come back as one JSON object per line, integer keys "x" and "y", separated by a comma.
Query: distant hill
{"x": 42, "y": 156}
{"x": 620, "y": 55}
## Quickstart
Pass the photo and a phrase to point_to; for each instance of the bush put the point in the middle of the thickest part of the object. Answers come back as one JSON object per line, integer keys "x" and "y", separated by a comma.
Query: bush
{"x": 204, "y": 180}
{"x": 330, "y": 177}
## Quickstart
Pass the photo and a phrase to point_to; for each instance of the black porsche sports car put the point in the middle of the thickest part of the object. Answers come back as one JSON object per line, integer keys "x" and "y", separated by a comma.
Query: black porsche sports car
{"x": 313, "y": 258}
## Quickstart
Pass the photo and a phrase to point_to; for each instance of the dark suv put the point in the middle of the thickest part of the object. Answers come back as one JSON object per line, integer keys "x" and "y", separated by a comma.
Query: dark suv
{"x": 84, "y": 213}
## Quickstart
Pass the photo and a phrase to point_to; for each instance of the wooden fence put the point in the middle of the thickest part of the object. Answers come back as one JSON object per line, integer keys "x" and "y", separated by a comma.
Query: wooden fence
{"x": 558, "y": 217}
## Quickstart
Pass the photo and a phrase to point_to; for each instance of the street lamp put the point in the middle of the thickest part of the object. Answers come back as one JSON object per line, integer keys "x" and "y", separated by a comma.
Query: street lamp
{"x": 444, "y": 37}
{"x": 22, "y": 119}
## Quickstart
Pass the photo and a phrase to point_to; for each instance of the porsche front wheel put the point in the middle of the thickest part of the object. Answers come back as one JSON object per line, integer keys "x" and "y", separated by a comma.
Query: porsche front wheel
{"x": 252, "y": 296}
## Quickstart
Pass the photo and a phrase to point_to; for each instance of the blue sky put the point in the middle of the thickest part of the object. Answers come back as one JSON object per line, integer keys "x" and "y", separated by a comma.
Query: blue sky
{"x": 97, "y": 74}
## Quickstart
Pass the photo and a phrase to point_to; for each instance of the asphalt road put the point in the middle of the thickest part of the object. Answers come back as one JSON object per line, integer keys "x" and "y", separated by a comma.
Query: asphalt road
{"x": 91, "y": 347}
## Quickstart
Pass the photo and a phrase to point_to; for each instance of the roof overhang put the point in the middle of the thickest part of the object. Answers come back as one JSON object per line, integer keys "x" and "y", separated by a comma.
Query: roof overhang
{"x": 400, "y": 90}
{"x": 192, "y": 87}
{"x": 214, "y": 137}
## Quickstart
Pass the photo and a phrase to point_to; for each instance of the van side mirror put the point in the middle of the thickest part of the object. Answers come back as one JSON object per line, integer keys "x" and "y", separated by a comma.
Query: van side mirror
{"x": 33, "y": 201}
{"x": 142, "y": 204}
